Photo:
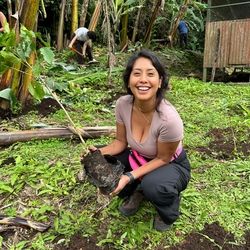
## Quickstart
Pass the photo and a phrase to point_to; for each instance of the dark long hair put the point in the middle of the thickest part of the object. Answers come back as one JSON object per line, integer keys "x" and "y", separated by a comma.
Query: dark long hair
{"x": 158, "y": 66}
{"x": 91, "y": 35}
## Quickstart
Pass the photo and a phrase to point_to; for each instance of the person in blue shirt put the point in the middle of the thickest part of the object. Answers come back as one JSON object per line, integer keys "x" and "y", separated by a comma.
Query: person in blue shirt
{"x": 183, "y": 33}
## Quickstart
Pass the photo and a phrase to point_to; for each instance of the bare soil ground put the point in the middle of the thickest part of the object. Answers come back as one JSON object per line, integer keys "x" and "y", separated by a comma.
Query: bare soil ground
{"x": 213, "y": 236}
{"x": 210, "y": 238}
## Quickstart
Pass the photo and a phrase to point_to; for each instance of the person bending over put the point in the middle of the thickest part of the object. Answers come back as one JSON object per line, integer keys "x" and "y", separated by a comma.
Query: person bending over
{"x": 149, "y": 130}
{"x": 81, "y": 43}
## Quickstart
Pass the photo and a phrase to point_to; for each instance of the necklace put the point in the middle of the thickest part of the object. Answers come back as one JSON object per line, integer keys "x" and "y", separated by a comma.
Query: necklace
{"x": 148, "y": 120}
{"x": 144, "y": 109}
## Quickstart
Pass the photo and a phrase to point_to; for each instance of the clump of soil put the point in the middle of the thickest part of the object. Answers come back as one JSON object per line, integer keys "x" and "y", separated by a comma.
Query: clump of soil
{"x": 226, "y": 144}
{"x": 212, "y": 237}
{"x": 103, "y": 171}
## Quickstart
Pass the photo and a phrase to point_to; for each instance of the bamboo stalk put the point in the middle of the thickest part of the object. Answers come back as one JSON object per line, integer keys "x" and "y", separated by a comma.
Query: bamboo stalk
{"x": 74, "y": 11}
{"x": 61, "y": 26}
{"x": 84, "y": 11}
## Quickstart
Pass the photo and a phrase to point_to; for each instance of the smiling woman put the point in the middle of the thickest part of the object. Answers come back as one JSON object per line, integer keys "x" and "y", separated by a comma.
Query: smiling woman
{"x": 149, "y": 131}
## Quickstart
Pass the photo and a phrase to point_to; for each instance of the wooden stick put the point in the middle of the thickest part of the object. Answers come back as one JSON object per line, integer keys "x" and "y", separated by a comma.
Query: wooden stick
{"x": 77, "y": 51}
{"x": 8, "y": 138}
{"x": 19, "y": 221}
{"x": 216, "y": 54}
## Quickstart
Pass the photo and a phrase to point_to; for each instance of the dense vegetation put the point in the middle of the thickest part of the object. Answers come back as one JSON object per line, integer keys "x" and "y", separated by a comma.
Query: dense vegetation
{"x": 40, "y": 179}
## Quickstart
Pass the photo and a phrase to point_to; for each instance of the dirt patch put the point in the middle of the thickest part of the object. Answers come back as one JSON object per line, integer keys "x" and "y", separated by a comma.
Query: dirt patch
{"x": 212, "y": 237}
{"x": 78, "y": 242}
{"x": 7, "y": 161}
{"x": 46, "y": 107}
{"x": 226, "y": 144}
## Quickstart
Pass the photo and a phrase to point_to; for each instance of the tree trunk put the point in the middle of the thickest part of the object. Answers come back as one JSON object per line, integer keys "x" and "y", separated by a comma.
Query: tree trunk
{"x": 19, "y": 78}
{"x": 124, "y": 32}
{"x": 8, "y": 138}
{"x": 110, "y": 39}
{"x": 24, "y": 95}
{"x": 9, "y": 11}
{"x": 28, "y": 18}
{"x": 136, "y": 26}
{"x": 29, "y": 13}
{"x": 95, "y": 16}
{"x": 74, "y": 23}
{"x": 174, "y": 25}
{"x": 152, "y": 20}
{"x": 5, "y": 82}
{"x": 84, "y": 11}
{"x": 61, "y": 26}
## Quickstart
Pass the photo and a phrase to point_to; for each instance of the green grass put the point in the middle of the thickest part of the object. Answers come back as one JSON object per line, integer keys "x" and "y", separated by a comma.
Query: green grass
{"x": 42, "y": 177}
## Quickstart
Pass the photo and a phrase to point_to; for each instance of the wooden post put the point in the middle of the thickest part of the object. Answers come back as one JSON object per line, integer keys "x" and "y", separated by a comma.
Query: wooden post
{"x": 204, "y": 77}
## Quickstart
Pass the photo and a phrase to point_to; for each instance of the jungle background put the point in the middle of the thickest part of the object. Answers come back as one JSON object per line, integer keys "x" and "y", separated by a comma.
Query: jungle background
{"x": 42, "y": 87}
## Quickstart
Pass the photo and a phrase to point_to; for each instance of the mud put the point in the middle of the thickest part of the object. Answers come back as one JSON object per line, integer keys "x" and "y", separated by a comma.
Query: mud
{"x": 212, "y": 237}
{"x": 44, "y": 108}
{"x": 226, "y": 144}
{"x": 102, "y": 171}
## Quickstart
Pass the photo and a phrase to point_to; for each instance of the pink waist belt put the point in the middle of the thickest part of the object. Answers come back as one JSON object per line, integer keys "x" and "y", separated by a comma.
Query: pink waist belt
{"x": 177, "y": 153}
{"x": 136, "y": 160}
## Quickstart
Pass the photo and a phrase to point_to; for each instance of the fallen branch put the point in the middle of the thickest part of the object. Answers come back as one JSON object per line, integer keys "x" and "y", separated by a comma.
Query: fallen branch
{"x": 18, "y": 221}
{"x": 8, "y": 138}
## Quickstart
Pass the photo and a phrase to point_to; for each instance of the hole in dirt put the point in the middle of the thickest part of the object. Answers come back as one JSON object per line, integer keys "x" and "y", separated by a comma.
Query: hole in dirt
{"x": 7, "y": 161}
{"x": 78, "y": 242}
{"x": 226, "y": 144}
{"x": 212, "y": 237}
{"x": 46, "y": 107}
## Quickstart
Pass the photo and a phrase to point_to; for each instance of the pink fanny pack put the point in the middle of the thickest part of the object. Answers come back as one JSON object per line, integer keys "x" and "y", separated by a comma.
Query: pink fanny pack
{"x": 136, "y": 160}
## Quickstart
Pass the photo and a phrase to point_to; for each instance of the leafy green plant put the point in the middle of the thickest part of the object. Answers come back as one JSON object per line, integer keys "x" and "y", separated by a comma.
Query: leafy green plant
{"x": 16, "y": 52}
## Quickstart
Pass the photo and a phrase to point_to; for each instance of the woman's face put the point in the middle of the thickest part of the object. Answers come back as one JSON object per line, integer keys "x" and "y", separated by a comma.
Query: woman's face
{"x": 144, "y": 80}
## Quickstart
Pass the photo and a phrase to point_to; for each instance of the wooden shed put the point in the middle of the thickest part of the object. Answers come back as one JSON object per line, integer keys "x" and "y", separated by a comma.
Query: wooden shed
{"x": 227, "y": 39}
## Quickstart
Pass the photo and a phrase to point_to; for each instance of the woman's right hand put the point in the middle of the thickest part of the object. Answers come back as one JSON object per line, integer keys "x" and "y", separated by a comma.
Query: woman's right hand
{"x": 124, "y": 180}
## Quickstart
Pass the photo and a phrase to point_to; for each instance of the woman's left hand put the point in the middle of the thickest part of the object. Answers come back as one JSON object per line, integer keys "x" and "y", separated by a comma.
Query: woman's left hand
{"x": 124, "y": 180}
